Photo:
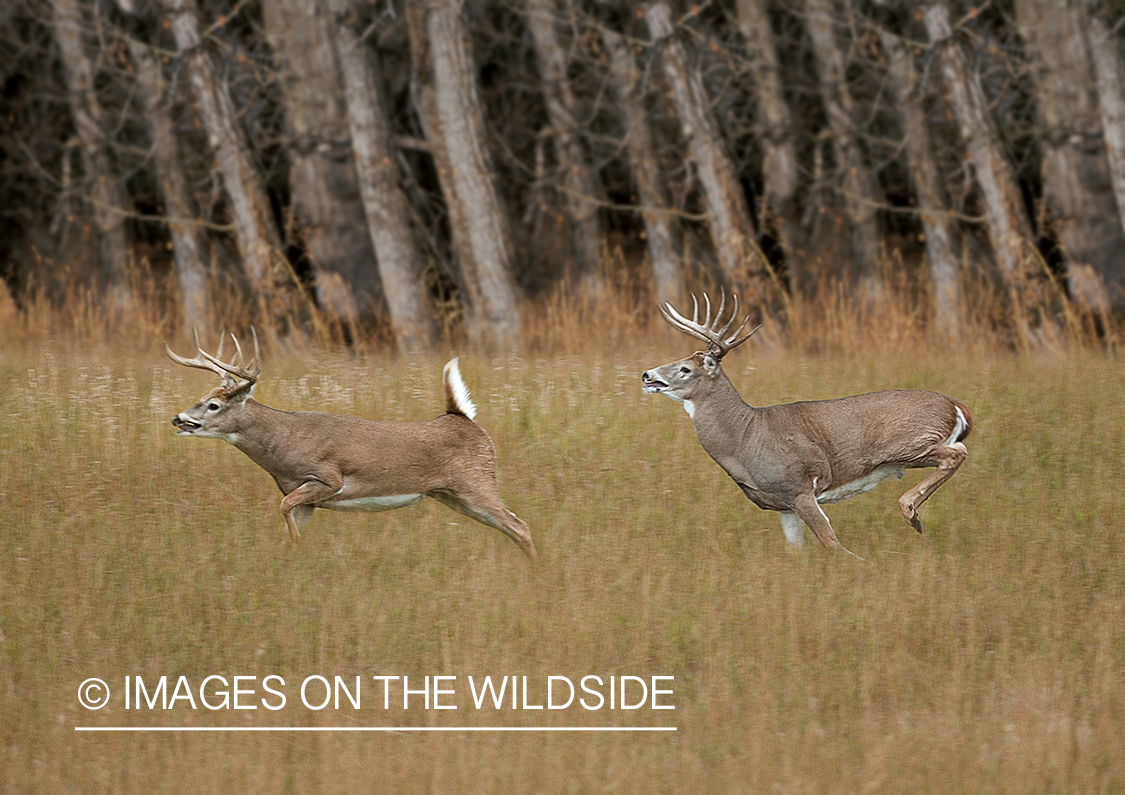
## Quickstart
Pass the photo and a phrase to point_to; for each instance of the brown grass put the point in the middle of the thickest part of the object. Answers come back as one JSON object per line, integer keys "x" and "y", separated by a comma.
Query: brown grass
{"x": 987, "y": 655}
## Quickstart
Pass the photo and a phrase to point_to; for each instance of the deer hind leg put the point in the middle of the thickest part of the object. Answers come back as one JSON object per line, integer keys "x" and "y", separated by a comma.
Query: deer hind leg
{"x": 949, "y": 458}
{"x": 488, "y": 509}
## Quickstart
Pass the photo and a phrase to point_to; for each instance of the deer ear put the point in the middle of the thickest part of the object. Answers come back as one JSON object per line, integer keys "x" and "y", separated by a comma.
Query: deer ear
{"x": 710, "y": 364}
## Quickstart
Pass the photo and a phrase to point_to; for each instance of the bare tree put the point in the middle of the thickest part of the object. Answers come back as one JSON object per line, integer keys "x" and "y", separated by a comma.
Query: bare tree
{"x": 1077, "y": 194}
{"x": 1009, "y": 228}
{"x": 189, "y": 243}
{"x": 858, "y": 184}
{"x": 579, "y": 183}
{"x": 259, "y": 242}
{"x": 932, "y": 203}
{"x": 401, "y": 265}
{"x": 106, "y": 196}
{"x": 780, "y": 176}
{"x": 322, "y": 178}
{"x": 1109, "y": 69}
{"x": 661, "y": 232}
{"x": 732, "y": 228}
{"x": 451, "y": 107}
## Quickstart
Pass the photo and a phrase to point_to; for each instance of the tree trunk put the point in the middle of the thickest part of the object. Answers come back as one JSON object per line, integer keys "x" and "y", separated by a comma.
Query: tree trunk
{"x": 326, "y": 197}
{"x": 401, "y": 265}
{"x": 1110, "y": 74}
{"x": 480, "y": 226}
{"x": 259, "y": 242}
{"x": 932, "y": 203}
{"x": 107, "y": 199}
{"x": 732, "y": 228}
{"x": 859, "y": 187}
{"x": 578, "y": 181}
{"x": 1009, "y": 228}
{"x": 189, "y": 243}
{"x": 661, "y": 233}
{"x": 778, "y": 212}
{"x": 1077, "y": 193}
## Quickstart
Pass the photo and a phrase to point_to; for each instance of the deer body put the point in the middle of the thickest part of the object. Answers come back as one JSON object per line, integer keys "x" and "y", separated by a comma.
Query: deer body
{"x": 793, "y": 457}
{"x": 344, "y": 463}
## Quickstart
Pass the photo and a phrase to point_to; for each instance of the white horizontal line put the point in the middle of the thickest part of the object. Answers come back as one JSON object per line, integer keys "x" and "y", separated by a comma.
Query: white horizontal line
{"x": 375, "y": 728}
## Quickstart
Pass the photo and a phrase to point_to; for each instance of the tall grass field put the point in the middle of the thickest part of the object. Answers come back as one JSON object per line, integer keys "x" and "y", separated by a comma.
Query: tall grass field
{"x": 986, "y": 655}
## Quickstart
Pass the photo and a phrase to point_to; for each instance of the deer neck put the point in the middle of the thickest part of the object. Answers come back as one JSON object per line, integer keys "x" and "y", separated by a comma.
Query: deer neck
{"x": 722, "y": 419}
{"x": 261, "y": 433}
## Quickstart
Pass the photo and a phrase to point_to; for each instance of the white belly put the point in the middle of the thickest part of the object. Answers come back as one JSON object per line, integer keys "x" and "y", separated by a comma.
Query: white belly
{"x": 863, "y": 484}
{"x": 371, "y": 504}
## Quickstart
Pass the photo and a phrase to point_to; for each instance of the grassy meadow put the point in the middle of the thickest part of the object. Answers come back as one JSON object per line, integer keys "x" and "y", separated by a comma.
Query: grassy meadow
{"x": 987, "y": 655}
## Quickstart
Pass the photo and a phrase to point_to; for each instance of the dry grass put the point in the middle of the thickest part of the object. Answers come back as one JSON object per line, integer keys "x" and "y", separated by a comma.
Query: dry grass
{"x": 987, "y": 655}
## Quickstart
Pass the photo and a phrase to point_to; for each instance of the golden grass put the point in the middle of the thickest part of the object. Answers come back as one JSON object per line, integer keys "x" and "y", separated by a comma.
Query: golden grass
{"x": 987, "y": 655}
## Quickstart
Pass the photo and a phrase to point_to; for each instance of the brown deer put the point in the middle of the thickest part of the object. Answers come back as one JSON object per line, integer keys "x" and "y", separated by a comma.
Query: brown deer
{"x": 349, "y": 463}
{"x": 792, "y": 457}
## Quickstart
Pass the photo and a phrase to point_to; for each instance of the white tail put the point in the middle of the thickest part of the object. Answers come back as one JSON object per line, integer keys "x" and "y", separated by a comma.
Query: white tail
{"x": 792, "y": 457}
{"x": 349, "y": 463}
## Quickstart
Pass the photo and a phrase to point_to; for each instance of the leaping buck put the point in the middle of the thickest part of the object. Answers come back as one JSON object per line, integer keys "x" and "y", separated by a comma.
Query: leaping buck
{"x": 792, "y": 457}
{"x": 348, "y": 463}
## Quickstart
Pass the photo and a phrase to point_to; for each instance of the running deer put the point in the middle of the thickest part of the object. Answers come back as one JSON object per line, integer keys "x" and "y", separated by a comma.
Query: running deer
{"x": 348, "y": 463}
{"x": 792, "y": 457}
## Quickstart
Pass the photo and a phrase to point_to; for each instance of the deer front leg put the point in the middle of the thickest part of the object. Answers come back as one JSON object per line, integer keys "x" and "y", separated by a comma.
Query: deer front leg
{"x": 807, "y": 508}
{"x": 298, "y": 505}
{"x": 950, "y": 457}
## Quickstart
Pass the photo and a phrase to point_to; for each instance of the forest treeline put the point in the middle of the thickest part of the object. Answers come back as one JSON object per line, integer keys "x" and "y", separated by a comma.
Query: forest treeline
{"x": 427, "y": 167}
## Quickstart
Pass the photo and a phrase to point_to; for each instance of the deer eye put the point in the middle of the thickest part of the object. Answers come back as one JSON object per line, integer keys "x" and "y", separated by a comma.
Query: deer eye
{"x": 212, "y": 406}
{"x": 685, "y": 370}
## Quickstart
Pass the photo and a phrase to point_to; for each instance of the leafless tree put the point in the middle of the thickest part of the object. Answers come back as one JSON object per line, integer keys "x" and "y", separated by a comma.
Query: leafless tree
{"x": 259, "y": 242}
{"x": 1109, "y": 69}
{"x": 661, "y": 231}
{"x": 455, "y": 129}
{"x": 1009, "y": 228}
{"x": 732, "y": 228}
{"x": 1076, "y": 192}
{"x": 932, "y": 202}
{"x": 189, "y": 242}
{"x": 322, "y": 177}
{"x": 107, "y": 200}
{"x": 780, "y": 169}
{"x": 858, "y": 185}
{"x": 578, "y": 181}
{"x": 401, "y": 265}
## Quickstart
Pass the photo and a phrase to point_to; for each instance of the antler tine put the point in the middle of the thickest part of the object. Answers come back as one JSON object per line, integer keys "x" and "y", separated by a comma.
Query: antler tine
{"x": 719, "y": 314}
{"x": 681, "y": 323}
{"x": 199, "y": 361}
{"x": 730, "y": 321}
{"x": 718, "y": 343}
{"x": 237, "y": 360}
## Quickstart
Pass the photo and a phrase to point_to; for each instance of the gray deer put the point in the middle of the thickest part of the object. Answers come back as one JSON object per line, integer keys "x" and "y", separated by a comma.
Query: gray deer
{"x": 792, "y": 457}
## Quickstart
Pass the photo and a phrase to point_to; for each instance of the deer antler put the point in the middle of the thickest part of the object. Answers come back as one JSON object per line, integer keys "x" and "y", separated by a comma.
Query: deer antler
{"x": 718, "y": 343}
{"x": 205, "y": 361}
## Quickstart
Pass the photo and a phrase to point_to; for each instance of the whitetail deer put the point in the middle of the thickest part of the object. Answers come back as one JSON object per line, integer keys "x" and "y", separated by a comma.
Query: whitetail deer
{"x": 792, "y": 457}
{"x": 349, "y": 463}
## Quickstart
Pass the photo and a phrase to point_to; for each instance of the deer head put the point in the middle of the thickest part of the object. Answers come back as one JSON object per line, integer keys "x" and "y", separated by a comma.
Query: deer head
{"x": 215, "y": 416}
{"x": 680, "y": 380}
